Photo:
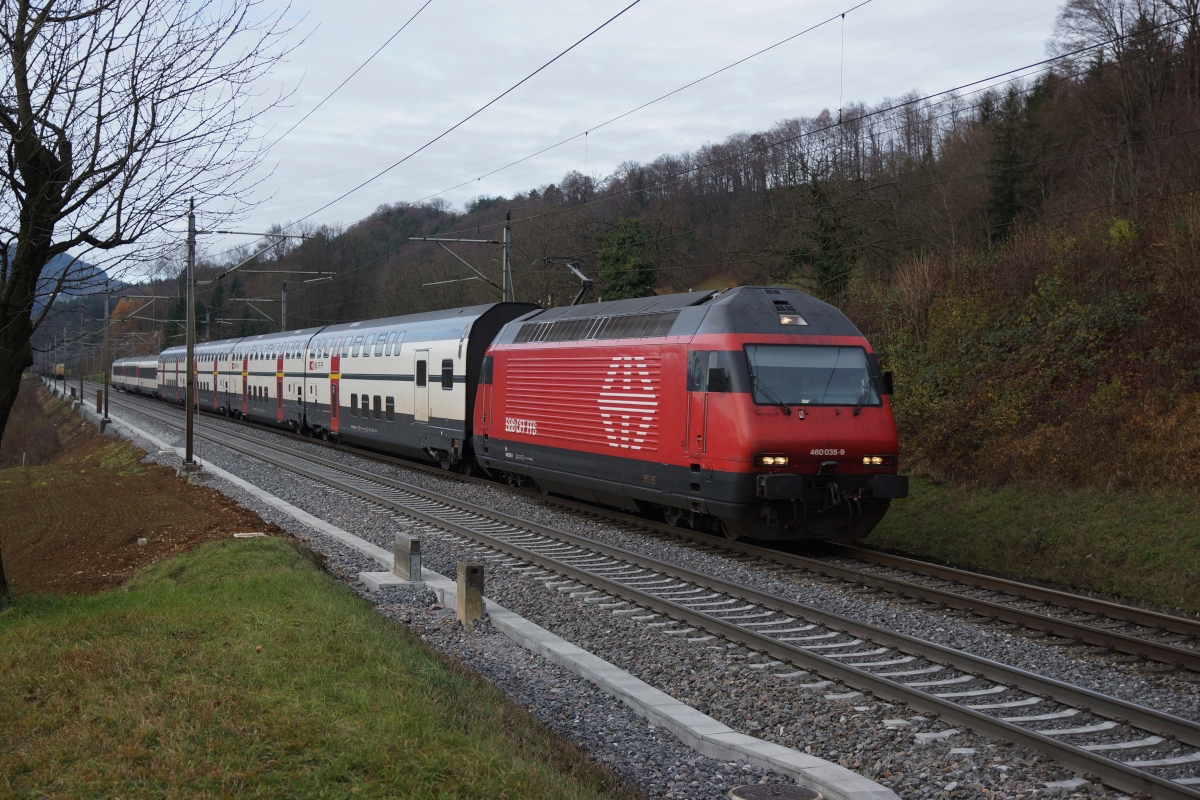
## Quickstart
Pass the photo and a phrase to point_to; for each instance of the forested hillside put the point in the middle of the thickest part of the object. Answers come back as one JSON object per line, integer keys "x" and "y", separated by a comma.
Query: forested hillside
{"x": 1024, "y": 252}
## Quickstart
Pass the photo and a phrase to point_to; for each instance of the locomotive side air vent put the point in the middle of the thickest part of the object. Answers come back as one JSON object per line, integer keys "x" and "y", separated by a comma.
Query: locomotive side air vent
{"x": 772, "y": 291}
{"x": 784, "y": 307}
{"x": 617, "y": 326}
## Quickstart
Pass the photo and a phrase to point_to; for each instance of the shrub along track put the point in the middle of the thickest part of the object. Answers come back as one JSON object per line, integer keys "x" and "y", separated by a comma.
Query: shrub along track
{"x": 1087, "y": 731}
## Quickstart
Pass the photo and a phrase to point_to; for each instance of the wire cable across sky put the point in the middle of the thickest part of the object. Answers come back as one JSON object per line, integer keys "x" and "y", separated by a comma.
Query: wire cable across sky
{"x": 470, "y": 116}
{"x": 351, "y": 75}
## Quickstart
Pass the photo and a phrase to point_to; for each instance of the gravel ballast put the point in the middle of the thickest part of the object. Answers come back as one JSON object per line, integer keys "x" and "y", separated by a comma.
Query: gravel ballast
{"x": 874, "y": 738}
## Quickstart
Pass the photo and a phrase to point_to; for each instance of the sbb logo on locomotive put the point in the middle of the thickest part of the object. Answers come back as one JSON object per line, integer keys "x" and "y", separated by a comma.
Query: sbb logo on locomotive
{"x": 527, "y": 426}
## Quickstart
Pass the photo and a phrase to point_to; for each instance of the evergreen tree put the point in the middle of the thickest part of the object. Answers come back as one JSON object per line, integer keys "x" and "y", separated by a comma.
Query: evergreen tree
{"x": 627, "y": 267}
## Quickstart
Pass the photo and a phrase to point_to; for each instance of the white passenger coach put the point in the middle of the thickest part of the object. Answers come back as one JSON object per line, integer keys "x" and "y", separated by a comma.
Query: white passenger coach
{"x": 401, "y": 383}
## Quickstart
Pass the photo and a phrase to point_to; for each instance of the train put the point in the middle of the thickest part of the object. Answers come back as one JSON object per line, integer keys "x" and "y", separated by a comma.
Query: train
{"x": 756, "y": 412}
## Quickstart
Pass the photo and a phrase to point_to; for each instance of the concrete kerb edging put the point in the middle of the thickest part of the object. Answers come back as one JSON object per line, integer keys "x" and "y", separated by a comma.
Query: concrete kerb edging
{"x": 706, "y": 735}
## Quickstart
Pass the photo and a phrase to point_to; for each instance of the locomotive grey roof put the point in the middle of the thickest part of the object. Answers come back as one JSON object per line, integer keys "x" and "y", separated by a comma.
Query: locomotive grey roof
{"x": 753, "y": 309}
{"x": 636, "y": 305}
{"x": 744, "y": 309}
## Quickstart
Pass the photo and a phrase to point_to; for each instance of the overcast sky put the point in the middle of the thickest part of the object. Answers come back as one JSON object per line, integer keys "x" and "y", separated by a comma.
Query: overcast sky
{"x": 459, "y": 54}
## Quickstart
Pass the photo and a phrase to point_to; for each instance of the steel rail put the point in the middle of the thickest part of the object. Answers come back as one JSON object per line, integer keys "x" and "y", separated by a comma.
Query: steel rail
{"x": 1118, "y": 774}
{"x": 1072, "y": 630}
{"x": 991, "y": 609}
{"x": 1145, "y": 617}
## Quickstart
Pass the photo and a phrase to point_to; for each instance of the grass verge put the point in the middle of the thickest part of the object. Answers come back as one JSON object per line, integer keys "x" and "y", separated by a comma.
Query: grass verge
{"x": 239, "y": 668}
{"x": 1139, "y": 545}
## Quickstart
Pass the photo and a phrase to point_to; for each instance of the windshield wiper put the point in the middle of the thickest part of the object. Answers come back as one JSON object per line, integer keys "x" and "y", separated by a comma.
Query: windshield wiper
{"x": 862, "y": 398}
{"x": 772, "y": 396}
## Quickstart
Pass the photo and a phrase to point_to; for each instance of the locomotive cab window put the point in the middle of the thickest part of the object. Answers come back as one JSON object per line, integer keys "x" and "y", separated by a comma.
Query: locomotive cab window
{"x": 447, "y": 373}
{"x": 811, "y": 375}
{"x": 708, "y": 371}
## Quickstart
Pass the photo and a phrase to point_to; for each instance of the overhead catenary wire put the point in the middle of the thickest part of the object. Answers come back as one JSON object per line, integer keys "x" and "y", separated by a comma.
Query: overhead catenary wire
{"x": 658, "y": 99}
{"x": 459, "y": 185}
{"x": 472, "y": 115}
{"x": 1055, "y": 60}
{"x": 925, "y": 237}
{"x": 349, "y": 77}
{"x": 1016, "y": 71}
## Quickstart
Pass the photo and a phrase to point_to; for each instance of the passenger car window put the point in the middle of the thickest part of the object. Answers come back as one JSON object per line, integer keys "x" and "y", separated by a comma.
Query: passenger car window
{"x": 447, "y": 373}
{"x": 354, "y": 405}
{"x": 391, "y": 342}
{"x": 378, "y": 406}
{"x": 366, "y": 405}
{"x": 390, "y": 409}
{"x": 421, "y": 372}
{"x": 380, "y": 342}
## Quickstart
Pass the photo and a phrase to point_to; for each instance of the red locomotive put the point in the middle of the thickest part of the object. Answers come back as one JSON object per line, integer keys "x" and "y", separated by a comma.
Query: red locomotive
{"x": 757, "y": 412}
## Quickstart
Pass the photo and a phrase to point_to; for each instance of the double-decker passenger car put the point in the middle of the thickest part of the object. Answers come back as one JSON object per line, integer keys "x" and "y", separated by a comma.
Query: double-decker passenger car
{"x": 760, "y": 412}
{"x": 136, "y": 374}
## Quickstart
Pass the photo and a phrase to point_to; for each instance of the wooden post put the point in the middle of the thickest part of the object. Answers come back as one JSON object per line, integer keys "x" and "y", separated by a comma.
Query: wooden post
{"x": 470, "y": 592}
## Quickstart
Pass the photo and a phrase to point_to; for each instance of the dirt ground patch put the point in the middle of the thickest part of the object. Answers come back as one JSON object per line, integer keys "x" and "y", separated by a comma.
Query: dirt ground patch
{"x": 73, "y": 525}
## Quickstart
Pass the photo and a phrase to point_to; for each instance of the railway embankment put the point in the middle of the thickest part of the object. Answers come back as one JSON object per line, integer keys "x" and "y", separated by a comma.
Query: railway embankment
{"x": 1046, "y": 395}
{"x": 146, "y": 651}
{"x": 1139, "y": 545}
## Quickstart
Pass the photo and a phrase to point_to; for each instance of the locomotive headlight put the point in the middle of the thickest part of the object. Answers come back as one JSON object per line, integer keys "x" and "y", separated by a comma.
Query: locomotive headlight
{"x": 772, "y": 461}
{"x": 877, "y": 461}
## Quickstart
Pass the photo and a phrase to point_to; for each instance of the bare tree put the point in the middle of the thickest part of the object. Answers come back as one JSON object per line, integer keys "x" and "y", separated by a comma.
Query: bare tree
{"x": 114, "y": 113}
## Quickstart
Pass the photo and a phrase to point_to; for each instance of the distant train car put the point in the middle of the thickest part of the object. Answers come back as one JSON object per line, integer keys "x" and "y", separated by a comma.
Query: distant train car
{"x": 136, "y": 374}
{"x": 758, "y": 412}
{"x": 273, "y": 375}
{"x": 117, "y": 377}
{"x": 172, "y": 374}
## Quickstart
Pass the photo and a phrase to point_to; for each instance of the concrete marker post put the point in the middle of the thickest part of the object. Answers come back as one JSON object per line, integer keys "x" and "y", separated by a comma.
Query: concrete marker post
{"x": 469, "y": 606}
{"x": 406, "y": 553}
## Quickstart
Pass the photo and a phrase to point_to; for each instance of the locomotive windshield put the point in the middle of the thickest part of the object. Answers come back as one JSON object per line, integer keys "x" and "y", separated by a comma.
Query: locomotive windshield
{"x": 811, "y": 375}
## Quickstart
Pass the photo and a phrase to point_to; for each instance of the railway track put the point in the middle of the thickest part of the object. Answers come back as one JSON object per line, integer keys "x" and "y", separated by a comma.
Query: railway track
{"x": 1125, "y": 745}
{"x": 1062, "y": 618}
